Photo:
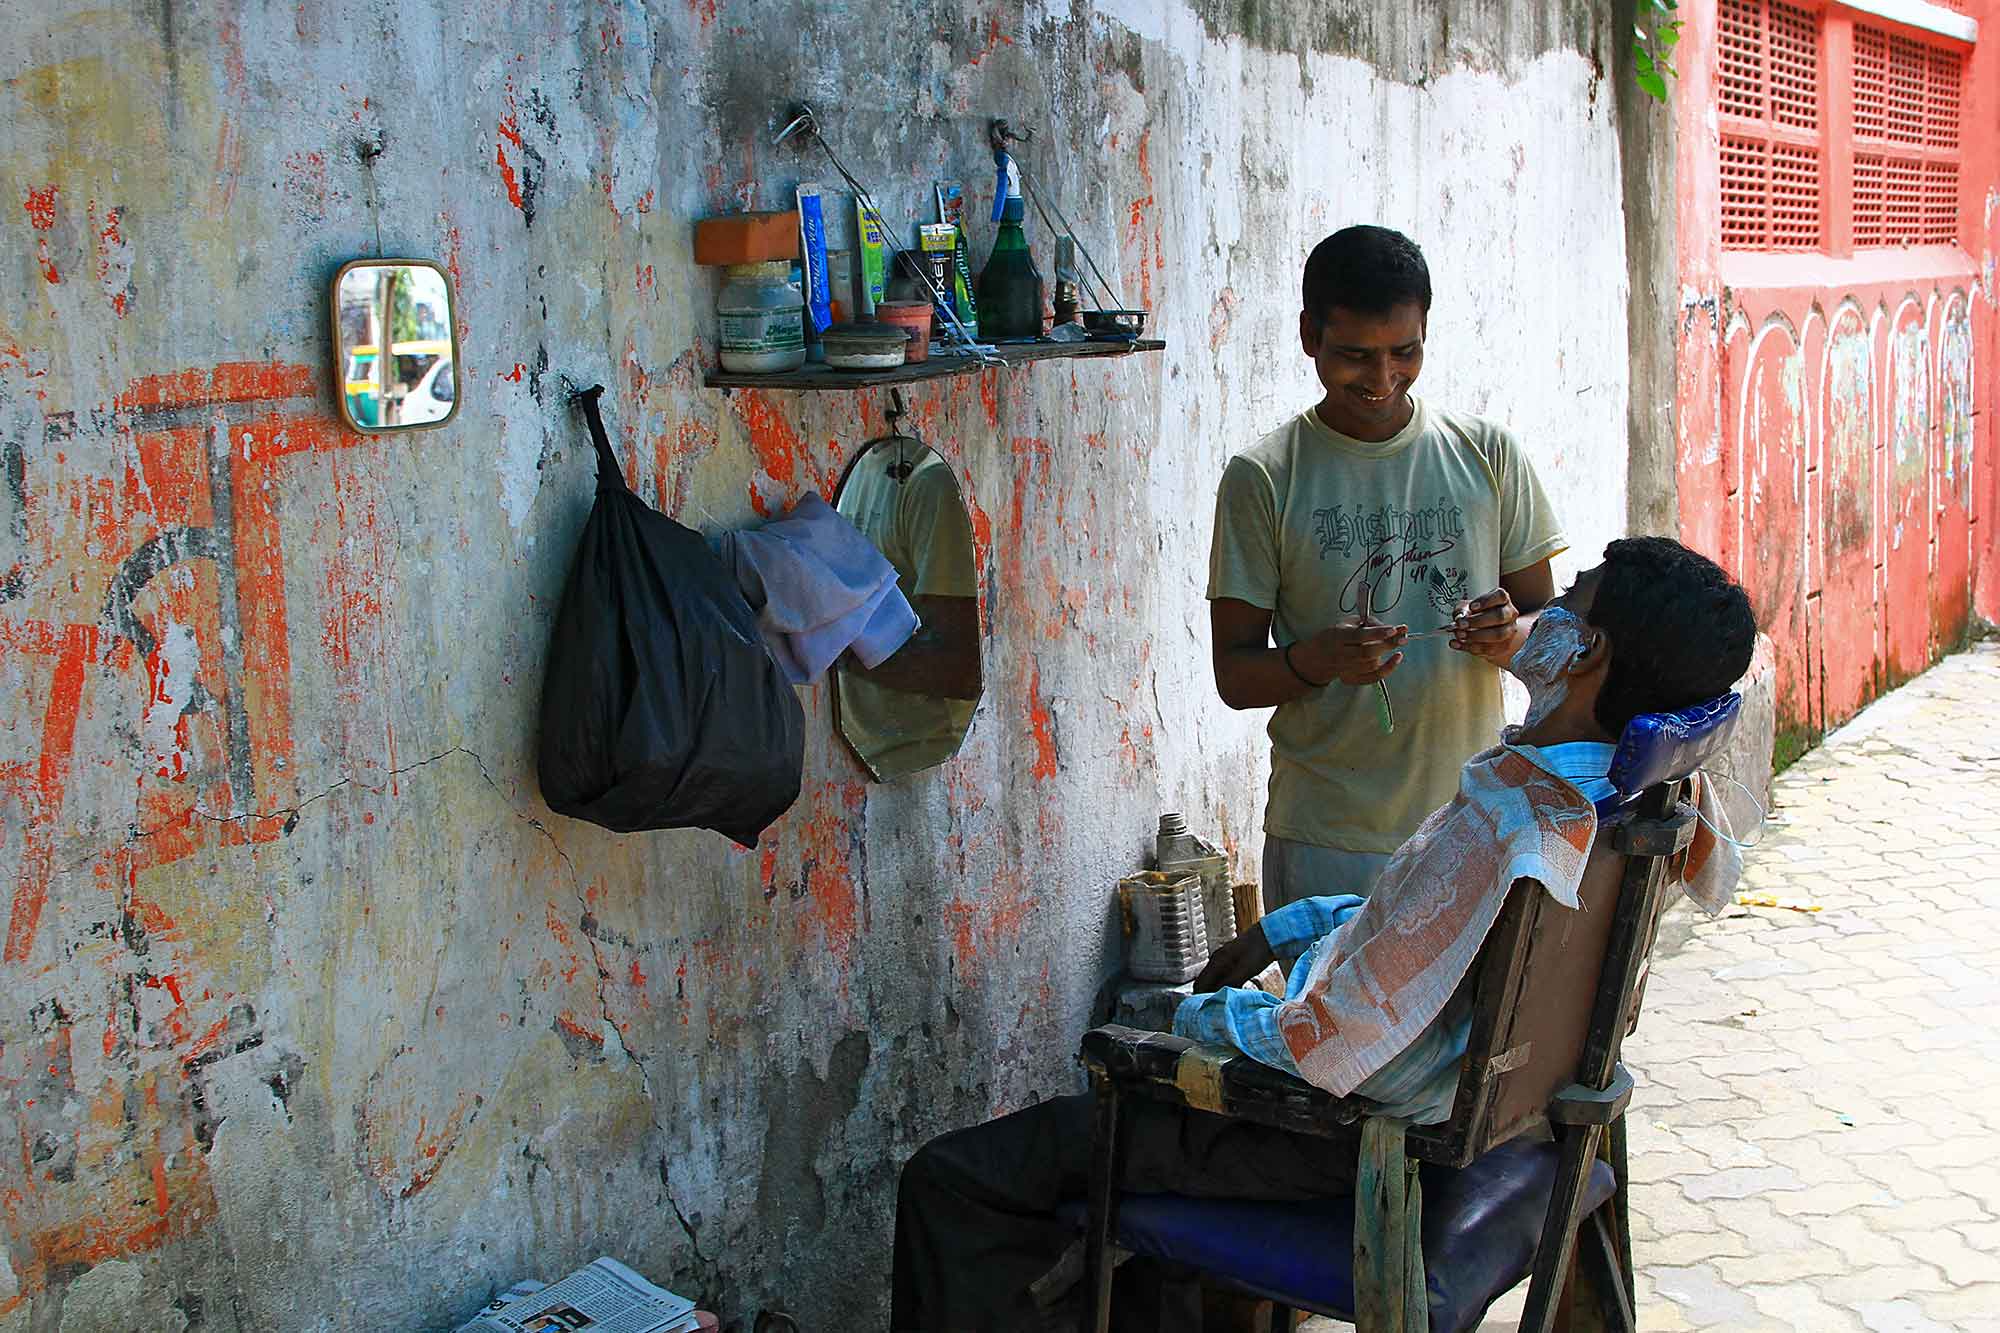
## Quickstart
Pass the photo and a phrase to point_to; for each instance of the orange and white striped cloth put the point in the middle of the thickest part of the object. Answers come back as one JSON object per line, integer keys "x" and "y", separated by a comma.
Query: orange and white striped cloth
{"x": 1391, "y": 968}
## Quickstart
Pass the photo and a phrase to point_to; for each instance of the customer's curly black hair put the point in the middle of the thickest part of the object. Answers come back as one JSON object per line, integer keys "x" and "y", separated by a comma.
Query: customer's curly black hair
{"x": 1681, "y": 632}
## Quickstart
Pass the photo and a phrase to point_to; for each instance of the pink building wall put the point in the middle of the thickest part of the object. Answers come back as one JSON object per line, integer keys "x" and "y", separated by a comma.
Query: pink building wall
{"x": 1834, "y": 423}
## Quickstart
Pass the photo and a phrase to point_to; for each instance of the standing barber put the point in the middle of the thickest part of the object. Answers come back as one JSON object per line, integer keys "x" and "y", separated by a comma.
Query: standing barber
{"x": 1374, "y": 537}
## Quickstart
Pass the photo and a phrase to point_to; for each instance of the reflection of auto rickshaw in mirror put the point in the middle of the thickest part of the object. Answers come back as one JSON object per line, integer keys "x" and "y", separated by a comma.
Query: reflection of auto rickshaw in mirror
{"x": 421, "y": 383}
{"x": 396, "y": 349}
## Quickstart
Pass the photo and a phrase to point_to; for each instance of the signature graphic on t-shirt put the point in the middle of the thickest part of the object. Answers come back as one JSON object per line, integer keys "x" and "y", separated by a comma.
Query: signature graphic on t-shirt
{"x": 1401, "y": 550}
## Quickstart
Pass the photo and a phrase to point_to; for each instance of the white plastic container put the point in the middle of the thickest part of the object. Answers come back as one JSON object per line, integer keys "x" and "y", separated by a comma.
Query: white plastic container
{"x": 1179, "y": 852}
{"x": 1168, "y": 929}
{"x": 761, "y": 320}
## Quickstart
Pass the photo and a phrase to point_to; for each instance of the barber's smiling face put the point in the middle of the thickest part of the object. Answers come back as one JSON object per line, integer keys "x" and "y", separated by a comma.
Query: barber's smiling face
{"x": 1367, "y": 364}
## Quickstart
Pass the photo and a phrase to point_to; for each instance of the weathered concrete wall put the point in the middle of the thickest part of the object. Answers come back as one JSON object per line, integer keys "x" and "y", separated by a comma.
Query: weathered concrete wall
{"x": 1650, "y": 168}
{"x": 1834, "y": 412}
{"x": 313, "y": 1015}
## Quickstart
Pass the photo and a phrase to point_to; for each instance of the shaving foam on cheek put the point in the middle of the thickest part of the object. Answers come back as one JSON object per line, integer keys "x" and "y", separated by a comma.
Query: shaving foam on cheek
{"x": 1553, "y": 644}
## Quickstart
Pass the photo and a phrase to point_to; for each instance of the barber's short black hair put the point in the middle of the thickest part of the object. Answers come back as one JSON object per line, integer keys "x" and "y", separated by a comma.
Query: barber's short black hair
{"x": 1681, "y": 631}
{"x": 1369, "y": 270}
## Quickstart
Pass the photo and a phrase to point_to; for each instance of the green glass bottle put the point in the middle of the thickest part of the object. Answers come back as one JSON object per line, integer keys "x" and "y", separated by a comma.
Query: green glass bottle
{"x": 1010, "y": 287}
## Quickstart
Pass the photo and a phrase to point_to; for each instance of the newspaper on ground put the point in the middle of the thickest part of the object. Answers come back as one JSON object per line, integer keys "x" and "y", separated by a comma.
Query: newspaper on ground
{"x": 604, "y": 1297}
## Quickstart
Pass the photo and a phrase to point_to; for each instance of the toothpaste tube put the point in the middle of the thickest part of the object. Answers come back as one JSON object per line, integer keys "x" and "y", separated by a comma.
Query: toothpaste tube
{"x": 812, "y": 259}
{"x": 874, "y": 258}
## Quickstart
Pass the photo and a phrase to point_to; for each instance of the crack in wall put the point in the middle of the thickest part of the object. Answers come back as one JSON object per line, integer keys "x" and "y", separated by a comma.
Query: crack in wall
{"x": 708, "y": 1271}
{"x": 292, "y": 812}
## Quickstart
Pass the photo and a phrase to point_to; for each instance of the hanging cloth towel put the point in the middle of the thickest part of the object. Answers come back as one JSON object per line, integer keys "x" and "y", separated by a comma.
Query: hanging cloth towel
{"x": 819, "y": 588}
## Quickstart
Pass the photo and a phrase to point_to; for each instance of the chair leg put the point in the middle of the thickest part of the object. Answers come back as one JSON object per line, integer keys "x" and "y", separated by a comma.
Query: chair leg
{"x": 1579, "y": 1151}
{"x": 1103, "y": 1203}
{"x": 1607, "y": 1275}
{"x": 1621, "y": 1209}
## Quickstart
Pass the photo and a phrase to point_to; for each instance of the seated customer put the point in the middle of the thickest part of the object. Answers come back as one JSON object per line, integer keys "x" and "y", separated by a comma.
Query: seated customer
{"x": 1655, "y": 627}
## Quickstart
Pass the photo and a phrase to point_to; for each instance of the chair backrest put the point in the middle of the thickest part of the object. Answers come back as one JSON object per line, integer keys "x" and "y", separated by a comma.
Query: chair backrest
{"x": 1540, "y": 990}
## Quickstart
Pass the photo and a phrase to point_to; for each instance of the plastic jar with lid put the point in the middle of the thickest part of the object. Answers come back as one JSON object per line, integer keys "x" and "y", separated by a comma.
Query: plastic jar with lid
{"x": 761, "y": 315}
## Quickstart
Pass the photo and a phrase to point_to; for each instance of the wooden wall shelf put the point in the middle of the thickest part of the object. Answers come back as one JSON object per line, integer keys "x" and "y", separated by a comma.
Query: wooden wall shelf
{"x": 939, "y": 366}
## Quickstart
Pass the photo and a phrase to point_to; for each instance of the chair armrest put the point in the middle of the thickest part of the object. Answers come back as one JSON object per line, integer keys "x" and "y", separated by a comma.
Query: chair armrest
{"x": 1581, "y": 1105}
{"x": 1219, "y": 1079}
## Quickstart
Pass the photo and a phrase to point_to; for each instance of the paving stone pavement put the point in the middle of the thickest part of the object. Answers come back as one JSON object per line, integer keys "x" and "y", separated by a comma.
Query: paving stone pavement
{"x": 1814, "y": 1135}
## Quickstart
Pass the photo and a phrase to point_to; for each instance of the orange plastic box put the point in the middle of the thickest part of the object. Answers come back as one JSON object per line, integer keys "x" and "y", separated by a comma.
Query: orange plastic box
{"x": 747, "y": 238}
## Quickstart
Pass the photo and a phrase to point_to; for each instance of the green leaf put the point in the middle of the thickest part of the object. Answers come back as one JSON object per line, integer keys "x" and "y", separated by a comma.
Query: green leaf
{"x": 1669, "y": 35}
{"x": 1648, "y": 74}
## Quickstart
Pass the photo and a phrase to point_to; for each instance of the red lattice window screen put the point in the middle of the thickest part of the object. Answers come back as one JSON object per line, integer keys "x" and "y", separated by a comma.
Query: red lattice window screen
{"x": 1906, "y": 102}
{"x": 1768, "y": 94}
{"x": 1869, "y": 182}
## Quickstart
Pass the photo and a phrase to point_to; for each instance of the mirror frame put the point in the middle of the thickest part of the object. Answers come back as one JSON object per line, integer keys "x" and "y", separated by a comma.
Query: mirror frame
{"x": 339, "y": 358}
{"x": 979, "y": 573}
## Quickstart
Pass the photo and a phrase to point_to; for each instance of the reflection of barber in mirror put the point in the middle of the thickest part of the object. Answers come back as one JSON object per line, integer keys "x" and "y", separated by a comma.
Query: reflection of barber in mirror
{"x": 1375, "y": 537}
{"x": 912, "y": 710}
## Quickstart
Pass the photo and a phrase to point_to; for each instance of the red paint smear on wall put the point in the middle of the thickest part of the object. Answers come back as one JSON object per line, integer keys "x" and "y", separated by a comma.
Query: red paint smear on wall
{"x": 989, "y": 395}
{"x": 982, "y": 541}
{"x": 108, "y": 237}
{"x": 673, "y": 456}
{"x": 774, "y": 442}
{"x": 41, "y": 207}
{"x": 507, "y": 175}
{"x": 1041, "y": 725}
{"x": 230, "y": 382}
{"x": 176, "y": 492}
{"x": 981, "y": 926}
{"x": 1150, "y": 257}
{"x": 352, "y": 582}
{"x": 830, "y": 875}
{"x": 823, "y": 846}
{"x": 45, "y": 791}
{"x": 568, "y": 1023}
{"x": 427, "y": 1152}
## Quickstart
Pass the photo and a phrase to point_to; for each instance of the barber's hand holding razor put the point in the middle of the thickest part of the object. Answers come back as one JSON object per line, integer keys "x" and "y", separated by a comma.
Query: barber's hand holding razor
{"x": 1359, "y": 653}
{"x": 1236, "y": 962}
{"x": 1489, "y": 627}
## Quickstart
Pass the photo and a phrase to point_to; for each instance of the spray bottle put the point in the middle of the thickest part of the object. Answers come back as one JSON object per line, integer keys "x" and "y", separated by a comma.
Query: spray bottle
{"x": 1010, "y": 287}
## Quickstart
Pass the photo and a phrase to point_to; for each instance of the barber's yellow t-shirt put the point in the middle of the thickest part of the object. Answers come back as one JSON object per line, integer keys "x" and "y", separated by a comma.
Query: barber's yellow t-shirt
{"x": 1431, "y": 517}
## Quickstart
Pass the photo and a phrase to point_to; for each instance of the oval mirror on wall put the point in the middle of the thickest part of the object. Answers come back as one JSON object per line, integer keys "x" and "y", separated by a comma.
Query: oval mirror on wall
{"x": 912, "y": 711}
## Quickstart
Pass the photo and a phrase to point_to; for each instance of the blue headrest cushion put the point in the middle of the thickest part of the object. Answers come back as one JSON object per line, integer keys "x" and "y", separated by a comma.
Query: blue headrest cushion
{"x": 1662, "y": 747}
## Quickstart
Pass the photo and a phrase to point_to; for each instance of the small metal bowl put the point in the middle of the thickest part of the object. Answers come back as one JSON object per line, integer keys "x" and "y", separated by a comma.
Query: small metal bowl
{"x": 866, "y": 346}
{"x": 1114, "y": 325}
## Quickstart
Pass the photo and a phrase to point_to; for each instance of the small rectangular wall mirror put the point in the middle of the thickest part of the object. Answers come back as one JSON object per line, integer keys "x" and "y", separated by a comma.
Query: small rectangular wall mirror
{"x": 395, "y": 340}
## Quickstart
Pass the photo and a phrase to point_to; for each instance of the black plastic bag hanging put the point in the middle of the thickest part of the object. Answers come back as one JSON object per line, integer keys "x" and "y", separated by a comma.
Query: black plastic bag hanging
{"x": 661, "y": 708}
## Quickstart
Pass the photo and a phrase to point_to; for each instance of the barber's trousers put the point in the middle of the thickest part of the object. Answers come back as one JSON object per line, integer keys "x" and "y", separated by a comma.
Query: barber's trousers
{"x": 1295, "y": 870}
{"x": 977, "y": 1235}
